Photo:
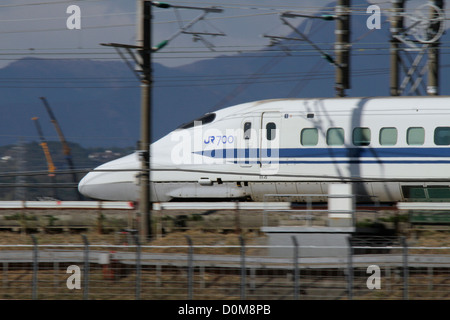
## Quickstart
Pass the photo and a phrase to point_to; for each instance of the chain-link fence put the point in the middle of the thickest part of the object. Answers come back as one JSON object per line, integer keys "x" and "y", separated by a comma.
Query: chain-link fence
{"x": 389, "y": 269}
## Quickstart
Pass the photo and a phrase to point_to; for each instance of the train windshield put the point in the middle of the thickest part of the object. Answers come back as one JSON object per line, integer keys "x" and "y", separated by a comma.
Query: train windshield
{"x": 207, "y": 118}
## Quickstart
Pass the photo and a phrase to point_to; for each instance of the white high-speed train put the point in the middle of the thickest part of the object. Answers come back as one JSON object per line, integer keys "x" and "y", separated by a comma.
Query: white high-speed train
{"x": 390, "y": 148}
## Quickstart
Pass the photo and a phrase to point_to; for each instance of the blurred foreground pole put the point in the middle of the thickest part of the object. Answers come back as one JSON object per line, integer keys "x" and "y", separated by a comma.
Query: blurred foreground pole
{"x": 342, "y": 47}
{"x": 146, "y": 111}
{"x": 396, "y": 29}
{"x": 433, "y": 53}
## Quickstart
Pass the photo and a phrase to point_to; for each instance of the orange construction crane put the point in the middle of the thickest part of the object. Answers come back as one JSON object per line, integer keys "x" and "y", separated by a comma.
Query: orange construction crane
{"x": 66, "y": 148}
{"x": 43, "y": 144}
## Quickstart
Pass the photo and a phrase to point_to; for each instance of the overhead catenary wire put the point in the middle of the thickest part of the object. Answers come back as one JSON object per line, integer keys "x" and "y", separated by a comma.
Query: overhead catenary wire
{"x": 177, "y": 82}
{"x": 273, "y": 10}
{"x": 183, "y": 53}
{"x": 165, "y": 55}
{"x": 362, "y": 50}
{"x": 188, "y": 55}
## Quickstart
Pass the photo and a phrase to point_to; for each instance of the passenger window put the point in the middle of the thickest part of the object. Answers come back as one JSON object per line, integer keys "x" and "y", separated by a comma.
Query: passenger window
{"x": 361, "y": 136}
{"x": 247, "y": 130}
{"x": 309, "y": 137}
{"x": 270, "y": 131}
{"x": 442, "y": 136}
{"x": 335, "y": 137}
{"x": 415, "y": 136}
{"x": 388, "y": 136}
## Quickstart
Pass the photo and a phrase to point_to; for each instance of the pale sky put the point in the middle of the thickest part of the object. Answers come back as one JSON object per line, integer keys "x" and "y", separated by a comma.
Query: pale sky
{"x": 38, "y": 27}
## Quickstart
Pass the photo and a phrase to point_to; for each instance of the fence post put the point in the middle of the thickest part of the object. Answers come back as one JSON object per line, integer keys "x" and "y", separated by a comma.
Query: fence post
{"x": 296, "y": 270}
{"x": 190, "y": 254}
{"x": 138, "y": 267}
{"x": 405, "y": 269}
{"x": 86, "y": 268}
{"x": 243, "y": 270}
{"x": 5, "y": 275}
{"x": 35, "y": 267}
{"x": 350, "y": 269}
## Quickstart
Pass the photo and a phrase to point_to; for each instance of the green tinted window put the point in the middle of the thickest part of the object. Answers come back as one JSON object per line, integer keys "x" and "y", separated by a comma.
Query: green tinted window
{"x": 309, "y": 137}
{"x": 335, "y": 137}
{"x": 388, "y": 136}
{"x": 438, "y": 192}
{"x": 414, "y": 192}
{"x": 429, "y": 193}
{"x": 415, "y": 136}
{"x": 442, "y": 136}
{"x": 361, "y": 136}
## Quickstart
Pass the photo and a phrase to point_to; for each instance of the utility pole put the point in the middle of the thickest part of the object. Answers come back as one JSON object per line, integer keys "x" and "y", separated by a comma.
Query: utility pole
{"x": 396, "y": 28}
{"x": 145, "y": 203}
{"x": 342, "y": 47}
{"x": 144, "y": 73}
{"x": 433, "y": 54}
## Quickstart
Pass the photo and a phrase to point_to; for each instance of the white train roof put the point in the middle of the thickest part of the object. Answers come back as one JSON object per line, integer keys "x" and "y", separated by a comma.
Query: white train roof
{"x": 440, "y": 104}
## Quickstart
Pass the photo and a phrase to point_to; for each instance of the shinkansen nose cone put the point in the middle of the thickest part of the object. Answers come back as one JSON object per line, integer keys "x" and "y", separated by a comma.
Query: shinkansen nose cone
{"x": 115, "y": 180}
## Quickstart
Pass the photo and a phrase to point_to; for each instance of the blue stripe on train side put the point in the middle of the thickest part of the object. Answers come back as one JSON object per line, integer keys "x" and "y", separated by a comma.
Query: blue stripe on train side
{"x": 335, "y": 155}
{"x": 331, "y": 152}
{"x": 365, "y": 152}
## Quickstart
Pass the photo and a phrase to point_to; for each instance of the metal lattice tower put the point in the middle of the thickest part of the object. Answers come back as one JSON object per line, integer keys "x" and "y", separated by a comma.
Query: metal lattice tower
{"x": 415, "y": 41}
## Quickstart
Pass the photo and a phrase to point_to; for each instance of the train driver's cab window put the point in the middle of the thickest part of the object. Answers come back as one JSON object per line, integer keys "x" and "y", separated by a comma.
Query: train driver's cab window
{"x": 442, "y": 136}
{"x": 309, "y": 137}
{"x": 361, "y": 136}
{"x": 388, "y": 136}
{"x": 247, "y": 130}
{"x": 415, "y": 136}
{"x": 335, "y": 137}
{"x": 207, "y": 118}
{"x": 271, "y": 131}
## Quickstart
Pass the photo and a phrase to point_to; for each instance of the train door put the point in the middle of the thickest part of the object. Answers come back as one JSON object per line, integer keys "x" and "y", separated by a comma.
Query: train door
{"x": 249, "y": 147}
{"x": 270, "y": 141}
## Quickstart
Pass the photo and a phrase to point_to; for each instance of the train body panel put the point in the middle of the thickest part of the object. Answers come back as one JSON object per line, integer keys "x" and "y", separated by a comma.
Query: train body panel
{"x": 390, "y": 149}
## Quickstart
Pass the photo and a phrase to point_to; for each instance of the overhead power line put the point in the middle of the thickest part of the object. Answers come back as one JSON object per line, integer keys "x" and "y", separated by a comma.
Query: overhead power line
{"x": 187, "y": 81}
{"x": 44, "y": 3}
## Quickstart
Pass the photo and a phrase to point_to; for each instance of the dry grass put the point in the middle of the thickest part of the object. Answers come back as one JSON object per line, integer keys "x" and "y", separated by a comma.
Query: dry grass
{"x": 171, "y": 283}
